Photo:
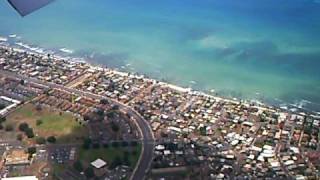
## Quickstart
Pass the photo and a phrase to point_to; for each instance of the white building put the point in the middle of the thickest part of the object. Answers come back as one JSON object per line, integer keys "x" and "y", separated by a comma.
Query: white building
{"x": 21, "y": 178}
{"x": 99, "y": 163}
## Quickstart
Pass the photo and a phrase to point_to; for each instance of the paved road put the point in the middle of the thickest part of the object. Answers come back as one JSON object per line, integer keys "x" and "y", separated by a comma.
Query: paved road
{"x": 147, "y": 140}
{"x": 148, "y": 143}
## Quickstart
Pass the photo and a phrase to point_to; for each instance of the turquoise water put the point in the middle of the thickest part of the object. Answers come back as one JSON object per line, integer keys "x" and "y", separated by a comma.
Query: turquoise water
{"x": 266, "y": 49}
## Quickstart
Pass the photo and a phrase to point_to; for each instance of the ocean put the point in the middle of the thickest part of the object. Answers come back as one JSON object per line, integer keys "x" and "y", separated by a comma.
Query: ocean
{"x": 268, "y": 50}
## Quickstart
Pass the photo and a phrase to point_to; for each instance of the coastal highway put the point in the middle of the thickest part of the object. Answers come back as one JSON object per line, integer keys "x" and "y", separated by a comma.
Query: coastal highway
{"x": 147, "y": 138}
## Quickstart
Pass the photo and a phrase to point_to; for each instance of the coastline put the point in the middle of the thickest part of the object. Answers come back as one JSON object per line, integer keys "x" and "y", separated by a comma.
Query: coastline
{"x": 69, "y": 55}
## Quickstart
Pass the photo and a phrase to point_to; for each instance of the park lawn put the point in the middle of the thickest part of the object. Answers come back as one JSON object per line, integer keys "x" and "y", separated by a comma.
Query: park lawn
{"x": 58, "y": 168}
{"x": 109, "y": 154}
{"x": 62, "y": 125}
{"x": 57, "y": 124}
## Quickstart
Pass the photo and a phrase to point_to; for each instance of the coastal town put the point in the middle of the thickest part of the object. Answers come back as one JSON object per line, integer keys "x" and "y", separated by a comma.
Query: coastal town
{"x": 62, "y": 119}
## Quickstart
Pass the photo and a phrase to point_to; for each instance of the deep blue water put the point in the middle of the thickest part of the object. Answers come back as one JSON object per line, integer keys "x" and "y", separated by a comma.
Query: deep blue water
{"x": 266, "y": 49}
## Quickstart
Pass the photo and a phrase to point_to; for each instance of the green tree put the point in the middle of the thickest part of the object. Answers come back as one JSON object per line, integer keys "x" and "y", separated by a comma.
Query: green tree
{"x": 89, "y": 172}
{"x": 106, "y": 145}
{"x": 116, "y": 162}
{"x": 23, "y": 126}
{"x": 40, "y": 140}
{"x": 100, "y": 112}
{"x": 32, "y": 150}
{"x": 51, "y": 139}
{"x": 29, "y": 133}
{"x": 2, "y": 119}
{"x": 203, "y": 131}
{"x": 104, "y": 101}
{"x": 115, "y": 144}
{"x": 87, "y": 143}
{"x": 126, "y": 160}
{"x": 39, "y": 122}
{"x": 78, "y": 166}
{"x": 111, "y": 114}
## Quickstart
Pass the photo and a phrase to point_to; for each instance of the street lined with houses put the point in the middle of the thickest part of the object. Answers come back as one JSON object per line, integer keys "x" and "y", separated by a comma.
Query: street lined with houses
{"x": 123, "y": 125}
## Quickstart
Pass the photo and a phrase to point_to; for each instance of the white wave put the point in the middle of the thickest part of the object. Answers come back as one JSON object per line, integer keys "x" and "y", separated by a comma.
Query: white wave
{"x": 23, "y": 45}
{"x": 3, "y": 39}
{"x": 38, "y": 50}
{"x": 65, "y": 50}
{"x": 301, "y": 104}
{"x": 258, "y": 102}
{"x": 285, "y": 107}
{"x": 29, "y": 47}
{"x": 12, "y": 36}
{"x": 293, "y": 109}
{"x": 193, "y": 82}
{"x": 306, "y": 101}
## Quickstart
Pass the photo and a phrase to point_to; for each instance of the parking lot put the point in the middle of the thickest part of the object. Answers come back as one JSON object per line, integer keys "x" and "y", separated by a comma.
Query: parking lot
{"x": 62, "y": 154}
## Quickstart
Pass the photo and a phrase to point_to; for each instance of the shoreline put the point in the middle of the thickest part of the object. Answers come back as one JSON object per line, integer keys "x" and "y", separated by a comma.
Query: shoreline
{"x": 60, "y": 54}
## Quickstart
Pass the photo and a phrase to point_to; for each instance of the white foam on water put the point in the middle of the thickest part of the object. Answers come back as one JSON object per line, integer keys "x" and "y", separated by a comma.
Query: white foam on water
{"x": 65, "y": 50}
{"x": 12, "y": 36}
{"x": 38, "y": 50}
{"x": 32, "y": 49}
{"x": 27, "y": 46}
{"x": 3, "y": 39}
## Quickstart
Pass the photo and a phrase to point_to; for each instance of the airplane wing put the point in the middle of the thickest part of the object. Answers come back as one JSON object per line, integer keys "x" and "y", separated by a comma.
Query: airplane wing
{"x": 25, "y": 7}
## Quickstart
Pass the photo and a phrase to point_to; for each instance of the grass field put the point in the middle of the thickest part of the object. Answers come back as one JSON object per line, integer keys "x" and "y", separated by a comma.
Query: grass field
{"x": 54, "y": 123}
{"x": 109, "y": 154}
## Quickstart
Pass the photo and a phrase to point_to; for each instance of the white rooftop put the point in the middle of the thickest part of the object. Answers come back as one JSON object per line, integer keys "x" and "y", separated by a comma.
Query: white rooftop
{"x": 99, "y": 163}
{"x": 160, "y": 147}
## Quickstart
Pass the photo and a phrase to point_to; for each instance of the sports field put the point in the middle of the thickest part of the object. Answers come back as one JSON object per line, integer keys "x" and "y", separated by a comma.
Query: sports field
{"x": 62, "y": 125}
